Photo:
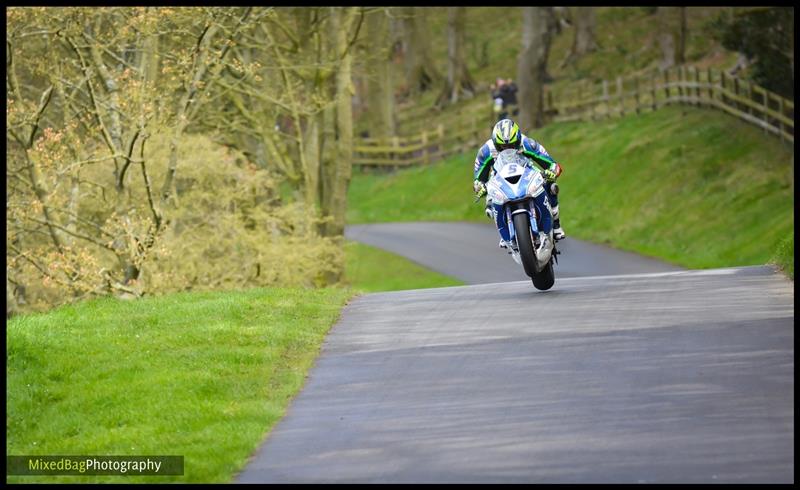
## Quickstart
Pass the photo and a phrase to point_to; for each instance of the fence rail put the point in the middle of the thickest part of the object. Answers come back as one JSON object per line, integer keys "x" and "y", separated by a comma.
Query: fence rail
{"x": 586, "y": 101}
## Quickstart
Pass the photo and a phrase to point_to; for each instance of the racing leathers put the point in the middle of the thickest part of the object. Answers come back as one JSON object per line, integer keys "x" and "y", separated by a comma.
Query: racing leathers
{"x": 536, "y": 152}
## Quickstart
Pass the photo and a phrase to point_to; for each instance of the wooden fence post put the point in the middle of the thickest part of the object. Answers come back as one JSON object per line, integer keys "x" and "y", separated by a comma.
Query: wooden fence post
{"x": 666, "y": 86}
{"x": 396, "y": 150}
{"x": 605, "y": 98}
{"x": 780, "y": 122}
{"x": 766, "y": 108}
{"x": 750, "y": 96}
{"x": 736, "y": 91}
{"x": 426, "y": 157}
{"x": 722, "y": 84}
{"x": 710, "y": 85}
{"x": 440, "y": 138}
{"x": 697, "y": 86}
{"x": 619, "y": 97}
{"x": 680, "y": 84}
{"x": 653, "y": 84}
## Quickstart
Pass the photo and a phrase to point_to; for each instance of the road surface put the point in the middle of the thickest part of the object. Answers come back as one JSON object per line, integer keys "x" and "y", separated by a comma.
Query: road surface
{"x": 645, "y": 377}
{"x": 469, "y": 251}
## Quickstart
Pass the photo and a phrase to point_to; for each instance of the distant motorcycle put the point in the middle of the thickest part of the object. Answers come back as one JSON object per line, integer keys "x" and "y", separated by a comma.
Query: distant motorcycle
{"x": 514, "y": 185}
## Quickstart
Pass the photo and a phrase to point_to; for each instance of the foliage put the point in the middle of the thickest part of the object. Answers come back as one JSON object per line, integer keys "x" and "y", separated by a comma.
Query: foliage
{"x": 203, "y": 375}
{"x": 115, "y": 186}
{"x": 765, "y": 36}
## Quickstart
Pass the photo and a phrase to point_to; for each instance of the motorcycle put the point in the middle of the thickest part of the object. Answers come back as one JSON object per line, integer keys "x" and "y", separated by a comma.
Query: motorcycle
{"x": 514, "y": 185}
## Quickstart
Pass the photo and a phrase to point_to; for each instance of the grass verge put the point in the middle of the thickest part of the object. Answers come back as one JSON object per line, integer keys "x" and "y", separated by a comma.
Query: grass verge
{"x": 784, "y": 257}
{"x": 371, "y": 269}
{"x": 204, "y": 375}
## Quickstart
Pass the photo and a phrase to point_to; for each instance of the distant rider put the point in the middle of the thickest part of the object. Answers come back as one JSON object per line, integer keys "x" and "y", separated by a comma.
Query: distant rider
{"x": 506, "y": 135}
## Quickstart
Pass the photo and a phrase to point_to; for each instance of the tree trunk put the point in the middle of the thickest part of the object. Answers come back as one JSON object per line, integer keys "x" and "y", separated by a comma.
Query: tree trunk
{"x": 340, "y": 165}
{"x": 421, "y": 72}
{"x": 11, "y": 302}
{"x": 532, "y": 64}
{"x": 680, "y": 56}
{"x": 585, "y": 40}
{"x": 563, "y": 18}
{"x": 665, "y": 38}
{"x": 459, "y": 82}
{"x": 380, "y": 87}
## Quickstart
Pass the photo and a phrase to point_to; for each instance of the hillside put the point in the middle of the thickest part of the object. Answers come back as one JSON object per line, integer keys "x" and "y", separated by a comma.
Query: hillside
{"x": 626, "y": 46}
{"x": 692, "y": 186}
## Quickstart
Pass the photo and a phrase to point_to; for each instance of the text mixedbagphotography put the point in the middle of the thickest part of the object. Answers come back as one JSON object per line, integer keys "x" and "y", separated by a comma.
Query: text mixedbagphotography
{"x": 95, "y": 465}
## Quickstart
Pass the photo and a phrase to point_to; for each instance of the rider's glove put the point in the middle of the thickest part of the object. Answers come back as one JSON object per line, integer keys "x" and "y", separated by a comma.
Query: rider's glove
{"x": 549, "y": 174}
{"x": 479, "y": 187}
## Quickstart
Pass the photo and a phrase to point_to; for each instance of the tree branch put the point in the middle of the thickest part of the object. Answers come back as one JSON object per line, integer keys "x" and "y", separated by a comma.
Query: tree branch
{"x": 47, "y": 222}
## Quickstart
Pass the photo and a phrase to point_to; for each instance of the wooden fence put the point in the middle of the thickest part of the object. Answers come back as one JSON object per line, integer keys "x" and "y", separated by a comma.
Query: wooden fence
{"x": 465, "y": 131}
{"x": 468, "y": 129}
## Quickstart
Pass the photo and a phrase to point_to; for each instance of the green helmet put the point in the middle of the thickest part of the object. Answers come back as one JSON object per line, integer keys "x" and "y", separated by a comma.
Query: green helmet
{"x": 506, "y": 135}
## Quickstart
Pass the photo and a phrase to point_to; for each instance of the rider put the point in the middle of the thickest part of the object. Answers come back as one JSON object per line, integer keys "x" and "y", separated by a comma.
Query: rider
{"x": 506, "y": 135}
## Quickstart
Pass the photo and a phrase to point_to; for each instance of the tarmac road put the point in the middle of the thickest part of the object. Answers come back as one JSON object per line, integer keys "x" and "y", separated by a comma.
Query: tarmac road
{"x": 655, "y": 377}
{"x": 469, "y": 251}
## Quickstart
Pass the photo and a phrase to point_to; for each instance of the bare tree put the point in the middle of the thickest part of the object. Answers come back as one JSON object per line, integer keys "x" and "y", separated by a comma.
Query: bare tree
{"x": 680, "y": 57}
{"x": 537, "y": 33}
{"x": 458, "y": 83}
{"x": 666, "y": 38}
{"x": 380, "y": 79}
{"x": 101, "y": 104}
{"x": 421, "y": 71}
{"x": 345, "y": 25}
{"x": 585, "y": 40}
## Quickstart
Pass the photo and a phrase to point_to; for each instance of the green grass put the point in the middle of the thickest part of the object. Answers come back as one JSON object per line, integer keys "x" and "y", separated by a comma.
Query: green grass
{"x": 371, "y": 269}
{"x": 784, "y": 257}
{"x": 439, "y": 192}
{"x": 691, "y": 186}
{"x": 204, "y": 375}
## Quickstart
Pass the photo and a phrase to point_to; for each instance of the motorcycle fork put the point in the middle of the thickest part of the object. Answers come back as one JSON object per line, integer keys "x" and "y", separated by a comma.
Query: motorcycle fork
{"x": 532, "y": 217}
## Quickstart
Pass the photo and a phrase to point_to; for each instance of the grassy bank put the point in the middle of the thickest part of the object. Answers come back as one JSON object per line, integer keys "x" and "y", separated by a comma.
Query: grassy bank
{"x": 371, "y": 269}
{"x": 691, "y": 186}
{"x": 204, "y": 375}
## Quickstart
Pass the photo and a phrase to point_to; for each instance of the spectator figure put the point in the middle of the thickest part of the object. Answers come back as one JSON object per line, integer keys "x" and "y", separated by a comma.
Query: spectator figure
{"x": 504, "y": 94}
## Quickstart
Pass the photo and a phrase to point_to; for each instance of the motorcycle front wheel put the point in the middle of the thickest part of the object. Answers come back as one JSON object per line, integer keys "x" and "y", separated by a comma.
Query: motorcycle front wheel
{"x": 544, "y": 279}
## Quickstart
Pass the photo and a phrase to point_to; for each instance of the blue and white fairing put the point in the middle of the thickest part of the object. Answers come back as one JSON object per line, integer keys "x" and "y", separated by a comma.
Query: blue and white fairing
{"x": 513, "y": 178}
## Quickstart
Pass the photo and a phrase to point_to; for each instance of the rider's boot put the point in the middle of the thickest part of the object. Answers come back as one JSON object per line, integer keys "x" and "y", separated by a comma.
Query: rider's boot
{"x": 558, "y": 232}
